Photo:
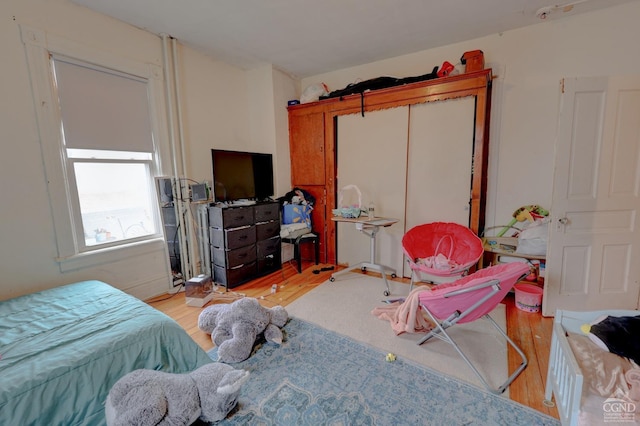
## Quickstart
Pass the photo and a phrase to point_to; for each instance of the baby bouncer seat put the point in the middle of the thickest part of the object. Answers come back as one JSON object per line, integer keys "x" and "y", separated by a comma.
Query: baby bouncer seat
{"x": 468, "y": 299}
{"x": 441, "y": 252}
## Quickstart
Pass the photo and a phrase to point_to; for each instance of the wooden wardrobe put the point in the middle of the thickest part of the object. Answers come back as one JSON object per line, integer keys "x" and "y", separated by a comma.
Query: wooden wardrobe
{"x": 313, "y": 138}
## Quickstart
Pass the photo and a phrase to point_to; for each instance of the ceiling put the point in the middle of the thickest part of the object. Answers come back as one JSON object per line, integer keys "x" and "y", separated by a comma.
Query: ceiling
{"x": 308, "y": 37}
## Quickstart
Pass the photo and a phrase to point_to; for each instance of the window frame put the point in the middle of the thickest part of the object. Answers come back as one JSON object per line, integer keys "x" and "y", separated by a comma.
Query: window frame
{"x": 77, "y": 210}
{"x": 40, "y": 48}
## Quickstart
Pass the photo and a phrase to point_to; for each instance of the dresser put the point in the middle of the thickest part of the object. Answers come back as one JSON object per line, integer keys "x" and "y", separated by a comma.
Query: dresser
{"x": 244, "y": 242}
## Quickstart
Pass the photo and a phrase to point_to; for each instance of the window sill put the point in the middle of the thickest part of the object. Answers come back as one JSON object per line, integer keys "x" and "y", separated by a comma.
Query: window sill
{"x": 109, "y": 255}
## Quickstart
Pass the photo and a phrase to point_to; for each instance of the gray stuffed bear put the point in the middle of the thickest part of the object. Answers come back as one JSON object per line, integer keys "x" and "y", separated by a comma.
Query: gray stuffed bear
{"x": 149, "y": 397}
{"x": 235, "y": 327}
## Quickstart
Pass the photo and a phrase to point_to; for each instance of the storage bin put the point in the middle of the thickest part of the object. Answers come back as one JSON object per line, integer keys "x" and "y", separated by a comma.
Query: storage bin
{"x": 296, "y": 213}
{"x": 473, "y": 60}
{"x": 528, "y": 297}
{"x": 198, "y": 291}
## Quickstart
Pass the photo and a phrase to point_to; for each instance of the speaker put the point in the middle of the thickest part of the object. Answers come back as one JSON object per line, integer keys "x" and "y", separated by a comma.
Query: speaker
{"x": 199, "y": 192}
{"x": 165, "y": 189}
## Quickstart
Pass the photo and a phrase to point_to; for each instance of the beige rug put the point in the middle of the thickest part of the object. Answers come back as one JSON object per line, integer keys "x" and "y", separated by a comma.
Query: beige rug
{"x": 345, "y": 305}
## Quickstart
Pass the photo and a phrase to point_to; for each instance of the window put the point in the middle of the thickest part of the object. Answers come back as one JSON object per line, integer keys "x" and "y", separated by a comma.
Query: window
{"x": 109, "y": 154}
{"x": 115, "y": 204}
{"x": 99, "y": 118}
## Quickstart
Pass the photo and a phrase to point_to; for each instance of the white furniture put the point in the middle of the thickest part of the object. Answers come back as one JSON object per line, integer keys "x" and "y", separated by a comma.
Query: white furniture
{"x": 369, "y": 227}
{"x": 565, "y": 380}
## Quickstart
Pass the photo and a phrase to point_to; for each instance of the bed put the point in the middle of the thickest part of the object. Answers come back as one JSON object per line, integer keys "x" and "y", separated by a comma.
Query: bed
{"x": 581, "y": 376}
{"x": 62, "y": 349}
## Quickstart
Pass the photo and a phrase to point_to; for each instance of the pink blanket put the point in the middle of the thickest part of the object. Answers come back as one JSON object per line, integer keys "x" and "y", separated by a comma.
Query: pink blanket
{"x": 405, "y": 317}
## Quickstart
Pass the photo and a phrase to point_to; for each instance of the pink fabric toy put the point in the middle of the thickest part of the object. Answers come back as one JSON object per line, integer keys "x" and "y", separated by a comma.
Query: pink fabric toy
{"x": 405, "y": 317}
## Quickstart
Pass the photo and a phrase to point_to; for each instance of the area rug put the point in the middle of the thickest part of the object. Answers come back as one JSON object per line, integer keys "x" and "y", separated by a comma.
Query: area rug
{"x": 344, "y": 306}
{"x": 318, "y": 377}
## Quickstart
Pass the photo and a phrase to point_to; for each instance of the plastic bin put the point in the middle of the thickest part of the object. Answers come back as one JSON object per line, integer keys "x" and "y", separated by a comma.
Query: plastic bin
{"x": 198, "y": 291}
{"x": 528, "y": 297}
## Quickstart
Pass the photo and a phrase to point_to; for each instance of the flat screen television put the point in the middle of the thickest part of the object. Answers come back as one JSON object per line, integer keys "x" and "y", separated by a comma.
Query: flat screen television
{"x": 241, "y": 175}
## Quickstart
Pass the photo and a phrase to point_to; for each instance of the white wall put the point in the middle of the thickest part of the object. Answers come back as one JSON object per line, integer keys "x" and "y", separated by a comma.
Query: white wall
{"x": 215, "y": 114}
{"x": 227, "y": 109}
{"x": 284, "y": 89}
{"x": 529, "y": 64}
{"x": 269, "y": 90}
{"x": 214, "y": 107}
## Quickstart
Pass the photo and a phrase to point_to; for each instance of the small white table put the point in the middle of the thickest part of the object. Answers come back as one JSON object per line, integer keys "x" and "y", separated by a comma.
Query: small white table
{"x": 369, "y": 227}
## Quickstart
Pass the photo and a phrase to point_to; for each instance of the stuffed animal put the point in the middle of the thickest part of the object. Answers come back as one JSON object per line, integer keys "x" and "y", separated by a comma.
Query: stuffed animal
{"x": 235, "y": 327}
{"x": 149, "y": 397}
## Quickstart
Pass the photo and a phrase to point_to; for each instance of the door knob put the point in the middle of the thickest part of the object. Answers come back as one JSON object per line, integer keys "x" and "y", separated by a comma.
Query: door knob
{"x": 562, "y": 221}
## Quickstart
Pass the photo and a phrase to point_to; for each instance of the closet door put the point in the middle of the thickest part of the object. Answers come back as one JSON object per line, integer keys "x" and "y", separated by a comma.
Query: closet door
{"x": 372, "y": 154}
{"x": 439, "y": 162}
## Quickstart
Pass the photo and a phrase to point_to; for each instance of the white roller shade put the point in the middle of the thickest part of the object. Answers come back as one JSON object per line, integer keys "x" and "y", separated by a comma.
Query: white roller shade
{"x": 103, "y": 110}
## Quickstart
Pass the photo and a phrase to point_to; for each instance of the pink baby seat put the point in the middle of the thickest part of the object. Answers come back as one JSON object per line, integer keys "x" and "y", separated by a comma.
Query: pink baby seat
{"x": 466, "y": 300}
{"x": 441, "y": 252}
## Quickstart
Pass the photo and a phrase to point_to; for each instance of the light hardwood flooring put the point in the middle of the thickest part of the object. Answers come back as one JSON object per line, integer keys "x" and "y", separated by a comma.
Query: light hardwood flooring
{"x": 530, "y": 331}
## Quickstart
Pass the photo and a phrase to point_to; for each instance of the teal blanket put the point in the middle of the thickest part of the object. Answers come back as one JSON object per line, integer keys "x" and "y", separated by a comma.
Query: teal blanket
{"x": 62, "y": 349}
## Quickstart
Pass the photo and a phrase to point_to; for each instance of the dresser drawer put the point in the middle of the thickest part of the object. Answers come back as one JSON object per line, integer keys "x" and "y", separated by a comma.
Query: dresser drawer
{"x": 233, "y": 258}
{"x": 268, "y": 247}
{"x": 269, "y": 264}
{"x": 230, "y": 217}
{"x": 269, "y": 255}
{"x": 232, "y": 238}
{"x": 267, "y": 230}
{"x": 169, "y": 216}
{"x": 267, "y": 212}
{"x": 235, "y": 276}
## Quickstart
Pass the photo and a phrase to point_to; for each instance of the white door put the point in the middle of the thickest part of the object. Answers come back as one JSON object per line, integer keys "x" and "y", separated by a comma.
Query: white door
{"x": 593, "y": 258}
{"x": 372, "y": 154}
{"x": 439, "y": 164}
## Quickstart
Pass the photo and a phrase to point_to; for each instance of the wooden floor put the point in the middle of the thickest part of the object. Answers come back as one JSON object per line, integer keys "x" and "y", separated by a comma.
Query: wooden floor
{"x": 530, "y": 331}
